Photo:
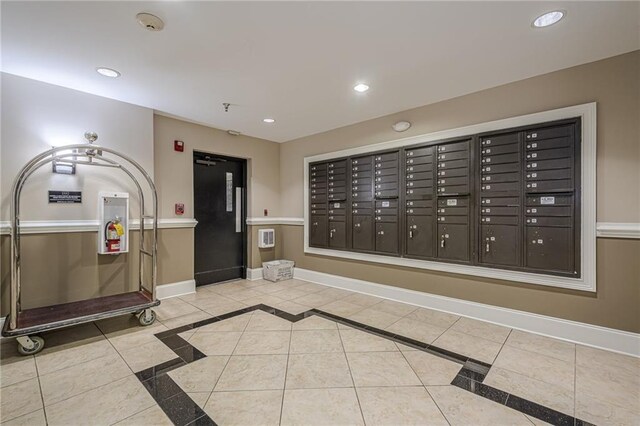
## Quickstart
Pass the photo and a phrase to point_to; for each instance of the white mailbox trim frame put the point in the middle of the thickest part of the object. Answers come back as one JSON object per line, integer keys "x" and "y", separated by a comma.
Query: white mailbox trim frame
{"x": 587, "y": 280}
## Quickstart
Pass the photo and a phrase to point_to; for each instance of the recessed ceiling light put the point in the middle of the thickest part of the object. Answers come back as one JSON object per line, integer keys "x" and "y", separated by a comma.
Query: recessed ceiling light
{"x": 108, "y": 72}
{"x": 269, "y": 120}
{"x": 548, "y": 18}
{"x": 360, "y": 87}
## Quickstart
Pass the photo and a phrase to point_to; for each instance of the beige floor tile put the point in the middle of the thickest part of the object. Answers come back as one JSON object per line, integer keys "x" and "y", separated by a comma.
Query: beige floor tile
{"x": 148, "y": 355}
{"x": 104, "y": 405}
{"x": 151, "y": 416}
{"x": 537, "y": 422}
{"x": 186, "y": 335}
{"x": 471, "y": 346}
{"x": 610, "y": 387}
{"x": 465, "y": 408}
{"x": 221, "y": 309}
{"x": 62, "y": 384}
{"x": 315, "y": 322}
{"x": 289, "y": 294}
{"x": 268, "y": 287}
{"x": 311, "y": 287}
{"x": 374, "y": 318}
{"x": 199, "y": 398}
{"x": 209, "y": 300}
{"x": 35, "y": 418}
{"x": 418, "y": 330}
{"x": 262, "y": 321}
{"x": 321, "y": 407}
{"x": 595, "y": 411}
{"x": 540, "y": 367}
{"x": 19, "y": 399}
{"x": 128, "y": 333}
{"x": 174, "y": 307}
{"x": 200, "y": 294}
{"x": 253, "y": 372}
{"x": 430, "y": 316}
{"x": 238, "y": 323}
{"x": 262, "y": 299}
{"x": 360, "y": 341}
{"x": 485, "y": 330}
{"x": 405, "y": 348}
{"x": 558, "y": 398}
{"x": 399, "y": 406}
{"x": 201, "y": 375}
{"x": 14, "y": 367}
{"x": 227, "y": 289}
{"x": 259, "y": 408}
{"x": 59, "y": 357}
{"x": 363, "y": 299}
{"x": 432, "y": 370}
{"x": 263, "y": 343}
{"x": 615, "y": 364}
{"x": 381, "y": 369}
{"x": 315, "y": 341}
{"x": 396, "y": 308}
{"x": 244, "y": 294}
{"x": 327, "y": 370}
{"x": 336, "y": 293}
{"x": 186, "y": 319}
{"x": 341, "y": 308}
{"x": 554, "y": 348}
{"x": 215, "y": 342}
{"x": 313, "y": 300}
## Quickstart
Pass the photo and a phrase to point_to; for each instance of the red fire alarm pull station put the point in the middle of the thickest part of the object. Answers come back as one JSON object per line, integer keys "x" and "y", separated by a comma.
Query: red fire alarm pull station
{"x": 178, "y": 146}
{"x": 179, "y": 209}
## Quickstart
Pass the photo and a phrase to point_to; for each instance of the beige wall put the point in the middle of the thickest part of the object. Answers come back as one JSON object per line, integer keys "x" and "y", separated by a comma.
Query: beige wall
{"x": 612, "y": 83}
{"x": 259, "y": 255}
{"x": 59, "y": 268}
{"x": 174, "y": 170}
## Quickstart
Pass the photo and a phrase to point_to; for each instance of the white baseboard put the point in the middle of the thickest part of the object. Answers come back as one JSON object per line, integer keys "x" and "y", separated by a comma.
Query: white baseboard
{"x": 571, "y": 331}
{"x": 180, "y": 288}
{"x": 254, "y": 274}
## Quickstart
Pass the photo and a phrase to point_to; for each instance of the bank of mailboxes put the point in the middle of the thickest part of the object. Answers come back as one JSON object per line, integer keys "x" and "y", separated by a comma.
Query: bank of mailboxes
{"x": 503, "y": 200}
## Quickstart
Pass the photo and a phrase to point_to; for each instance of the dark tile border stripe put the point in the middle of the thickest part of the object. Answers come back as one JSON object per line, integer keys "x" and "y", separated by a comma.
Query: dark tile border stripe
{"x": 183, "y": 411}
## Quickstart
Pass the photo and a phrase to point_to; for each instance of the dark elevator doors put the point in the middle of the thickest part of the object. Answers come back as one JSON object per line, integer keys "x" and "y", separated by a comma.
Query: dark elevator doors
{"x": 219, "y": 185}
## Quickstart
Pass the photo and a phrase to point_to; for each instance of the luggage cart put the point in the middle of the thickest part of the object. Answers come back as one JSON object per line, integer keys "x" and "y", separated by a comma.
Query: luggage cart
{"x": 26, "y": 324}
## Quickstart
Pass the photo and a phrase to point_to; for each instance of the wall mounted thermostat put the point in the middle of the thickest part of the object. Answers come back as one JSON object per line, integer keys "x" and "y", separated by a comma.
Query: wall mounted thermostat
{"x": 178, "y": 146}
{"x": 113, "y": 217}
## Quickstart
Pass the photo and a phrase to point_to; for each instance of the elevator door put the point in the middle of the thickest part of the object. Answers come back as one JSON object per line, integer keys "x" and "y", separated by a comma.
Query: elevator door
{"x": 219, "y": 187}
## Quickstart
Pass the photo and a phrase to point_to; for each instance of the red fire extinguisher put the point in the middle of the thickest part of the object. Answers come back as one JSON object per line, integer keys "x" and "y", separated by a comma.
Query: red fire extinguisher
{"x": 113, "y": 230}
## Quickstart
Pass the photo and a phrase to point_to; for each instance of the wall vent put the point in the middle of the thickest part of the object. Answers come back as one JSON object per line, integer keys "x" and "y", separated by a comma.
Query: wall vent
{"x": 266, "y": 238}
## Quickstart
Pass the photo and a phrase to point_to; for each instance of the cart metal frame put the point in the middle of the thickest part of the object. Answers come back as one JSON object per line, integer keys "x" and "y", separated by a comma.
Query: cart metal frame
{"x": 21, "y": 323}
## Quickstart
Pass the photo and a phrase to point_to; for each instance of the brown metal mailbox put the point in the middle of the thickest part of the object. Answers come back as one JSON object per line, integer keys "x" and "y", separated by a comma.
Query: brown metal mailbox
{"x": 548, "y": 144}
{"x": 420, "y": 168}
{"x": 549, "y": 249}
{"x": 318, "y": 231}
{"x": 508, "y": 138}
{"x": 562, "y": 185}
{"x": 453, "y": 242}
{"x": 548, "y": 133}
{"x": 500, "y": 201}
{"x": 561, "y": 163}
{"x": 420, "y": 183}
{"x": 456, "y": 146}
{"x": 500, "y": 245}
{"x": 419, "y": 236}
{"x": 419, "y": 203}
{"x": 419, "y": 192}
{"x": 549, "y": 221}
{"x": 500, "y": 211}
{"x": 453, "y": 189}
{"x": 337, "y": 235}
{"x": 549, "y": 211}
{"x": 501, "y": 168}
{"x": 453, "y": 164}
{"x": 550, "y": 174}
{"x": 453, "y": 202}
{"x": 387, "y": 237}
{"x": 422, "y": 211}
{"x": 500, "y": 159}
{"x": 419, "y": 175}
{"x": 362, "y": 235}
{"x": 420, "y": 152}
{"x": 549, "y": 154}
{"x": 500, "y": 220}
{"x": 464, "y": 171}
{"x": 500, "y": 186}
{"x": 501, "y": 177}
{"x": 501, "y": 149}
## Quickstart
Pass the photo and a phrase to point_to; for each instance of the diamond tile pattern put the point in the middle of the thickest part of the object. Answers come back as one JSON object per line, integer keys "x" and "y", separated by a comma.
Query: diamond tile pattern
{"x": 258, "y": 368}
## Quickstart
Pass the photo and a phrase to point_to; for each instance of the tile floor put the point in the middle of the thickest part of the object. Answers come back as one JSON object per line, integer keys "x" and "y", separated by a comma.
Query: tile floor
{"x": 259, "y": 369}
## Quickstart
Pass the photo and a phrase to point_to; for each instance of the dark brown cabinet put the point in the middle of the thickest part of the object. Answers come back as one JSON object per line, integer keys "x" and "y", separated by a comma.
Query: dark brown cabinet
{"x": 506, "y": 199}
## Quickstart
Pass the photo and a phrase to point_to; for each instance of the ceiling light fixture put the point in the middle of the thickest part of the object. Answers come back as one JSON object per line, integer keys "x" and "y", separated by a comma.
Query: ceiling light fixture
{"x": 108, "y": 72}
{"x": 548, "y": 18}
{"x": 361, "y": 87}
{"x": 269, "y": 120}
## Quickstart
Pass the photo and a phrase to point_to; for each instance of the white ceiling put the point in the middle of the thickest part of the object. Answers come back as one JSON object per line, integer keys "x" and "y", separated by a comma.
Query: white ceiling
{"x": 298, "y": 61}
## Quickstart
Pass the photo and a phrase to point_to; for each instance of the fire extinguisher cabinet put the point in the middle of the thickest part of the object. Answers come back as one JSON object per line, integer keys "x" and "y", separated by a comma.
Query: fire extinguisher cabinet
{"x": 113, "y": 210}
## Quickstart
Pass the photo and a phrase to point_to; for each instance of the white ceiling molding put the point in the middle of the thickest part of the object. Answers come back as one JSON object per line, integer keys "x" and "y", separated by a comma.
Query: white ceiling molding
{"x": 587, "y": 280}
{"x": 255, "y": 56}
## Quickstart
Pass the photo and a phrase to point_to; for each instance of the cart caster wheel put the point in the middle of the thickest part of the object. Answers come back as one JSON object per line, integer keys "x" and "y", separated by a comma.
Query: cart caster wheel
{"x": 38, "y": 345}
{"x": 147, "y": 319}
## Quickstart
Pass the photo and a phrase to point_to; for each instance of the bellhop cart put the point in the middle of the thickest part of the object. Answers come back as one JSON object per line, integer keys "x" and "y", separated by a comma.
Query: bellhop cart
{"x": 26, "y": 324}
